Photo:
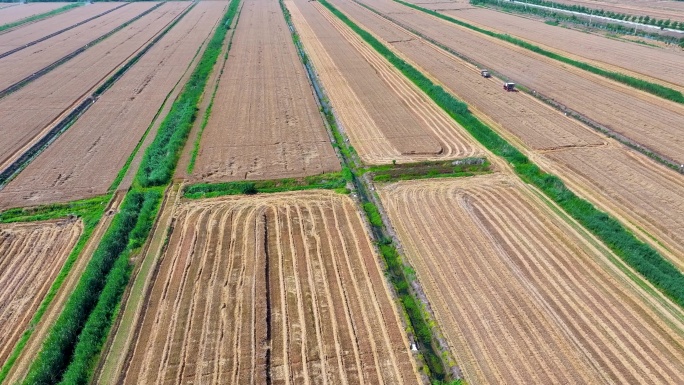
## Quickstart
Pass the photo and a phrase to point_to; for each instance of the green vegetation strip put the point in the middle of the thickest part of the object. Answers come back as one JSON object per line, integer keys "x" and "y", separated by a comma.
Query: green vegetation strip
{"x": 424, "y": 170}
{"x": 396, "y": 271}
{"x": 598, "y": 12}
{"x": 72, "y": 347}
{"x": 646, "y": 86}
{"x": 41, "y": 16}
{"x": 329, "y": 181}
{"x": 78, "y": 334}
{"x": 159, "y": 161}
{"x": 640, "y": 256}
{"x": 89, "y": 211}
{"x": 557, "y": 16}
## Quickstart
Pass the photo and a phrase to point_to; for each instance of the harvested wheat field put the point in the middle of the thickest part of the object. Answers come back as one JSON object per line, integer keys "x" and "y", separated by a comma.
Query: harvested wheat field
{"x": 30, "y": 112}
{"x": 22, "y": 11}
{"x": 26, "y": 62}
{"x": 652, "y": 200}
{"x": 659, "y": 65}
{"x": 121, "y": 115}
{"x": 19, "y": 37}
{"x": 647, "y": 120}
{"x": 521, "y": 297}
{"x": 267, "y": 124}
{"x": 661, "y": 9}
{"x": 284, "y": 288}
{"x": 31, "y": 256}
{"x": 647, "y": 194}
{"x": 386, "y": 117}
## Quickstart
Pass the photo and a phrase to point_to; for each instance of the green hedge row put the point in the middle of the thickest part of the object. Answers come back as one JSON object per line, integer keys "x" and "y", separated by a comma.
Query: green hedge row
{"x": 39, "y": 16}
{"x": 652, "y": 88}
{"x": 159, "y": 161}
{"x": 85, "y": 303}
{"x": 328, "y": 181}
{"x": 89, "y": 211}
{"x": 599, "y": 12}
{"x": 643, "y": 258}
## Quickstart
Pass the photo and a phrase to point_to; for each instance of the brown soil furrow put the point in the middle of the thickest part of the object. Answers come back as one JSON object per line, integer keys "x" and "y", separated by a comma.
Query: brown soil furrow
{"x": 121, "y": 115}
{"x": 23, "y": 11}
{"x": 19, "y": 37}
{"x": 31, "y": 60}
{"x": 31, "y": 256}
{"x": 40, "y": 104}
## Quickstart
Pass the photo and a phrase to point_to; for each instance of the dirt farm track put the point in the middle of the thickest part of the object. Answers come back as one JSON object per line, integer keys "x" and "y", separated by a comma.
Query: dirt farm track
{"x": 324, "y": 192}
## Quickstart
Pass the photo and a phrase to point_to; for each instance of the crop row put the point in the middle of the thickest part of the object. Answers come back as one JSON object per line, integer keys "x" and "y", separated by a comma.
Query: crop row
{"x": 643, "y": 258}
{"x": 652, "y": 88}
{"x": 41, "y": 16}
{"x": 161, "y": 156}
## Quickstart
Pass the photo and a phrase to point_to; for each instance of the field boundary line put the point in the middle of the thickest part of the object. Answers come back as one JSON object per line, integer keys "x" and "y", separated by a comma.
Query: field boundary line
{"x": 644, "y": 258}
{"x": 45, "y": 70}
{"x": 36, "y": 146}
{"x": 31, "y": 19}
{"x": 639, "y": 84}
{"x": 15, "y": 50}
{"x": 436, "y": 361}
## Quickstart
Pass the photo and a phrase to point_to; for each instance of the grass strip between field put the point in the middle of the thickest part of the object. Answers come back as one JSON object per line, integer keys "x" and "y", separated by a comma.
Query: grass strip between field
{"x": 160, "y": 158}
{"x": 430, "y": 170}
{"x": 71, "y": 349}
{"x": 400, "y": 276}
{"x": 329, "y": 181}
{"x": 640, "y": 84}
{"x": 41, "y": 16}
{"x": 90, "y": 212}
{"x": 207, "y": 113}
{"x": 640, "y": 256}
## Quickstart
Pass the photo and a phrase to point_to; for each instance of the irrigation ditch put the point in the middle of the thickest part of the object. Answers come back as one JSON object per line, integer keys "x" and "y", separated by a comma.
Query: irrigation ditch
{"x": 35, "y": 149}
{"x": 432, "y": 348}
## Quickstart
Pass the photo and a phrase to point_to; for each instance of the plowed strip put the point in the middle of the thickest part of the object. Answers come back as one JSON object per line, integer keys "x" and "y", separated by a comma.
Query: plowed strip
{"x": 283, "y": 289}
{"x": 537, "y": 127}
{"x": 23, "y": 11}
{"x": 31, "y": 256}
{"x": 267, "y": 124}
{"x": 386, "y": 116}
{"x": 19, "y": 37}
{"x": 36, "y": 107}
{"x": 91, "y": 161}
{"x": 28, "y": 61}
{"x": 521, "y": 297}
{"x": 645, "y": 119}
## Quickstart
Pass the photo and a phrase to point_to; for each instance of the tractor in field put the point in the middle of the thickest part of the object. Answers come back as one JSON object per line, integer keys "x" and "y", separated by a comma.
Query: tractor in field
{"x": 509, "y": 87}
{"x": 485, "y": 73}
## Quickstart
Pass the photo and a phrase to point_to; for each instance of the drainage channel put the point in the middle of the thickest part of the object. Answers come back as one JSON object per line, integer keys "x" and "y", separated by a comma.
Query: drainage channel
{"x": 15, "y": 50}
{"x": 22, "y": 161}
{"x": 21, "y": 83}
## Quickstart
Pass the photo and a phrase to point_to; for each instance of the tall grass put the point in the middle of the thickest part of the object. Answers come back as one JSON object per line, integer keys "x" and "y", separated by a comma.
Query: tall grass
{"x": 646, "y": 86}
{"x": 640, "y": 256}
{"x": 160, "y": 158}
{"x": 41, "y": 16}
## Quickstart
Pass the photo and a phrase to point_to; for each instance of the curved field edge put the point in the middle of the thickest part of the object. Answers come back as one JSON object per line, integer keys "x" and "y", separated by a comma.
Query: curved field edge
{"x": 70, "y": 351}
{"x": 160, "y": 158}
{"x": 90, "y": 211}
{"x": 640, "y": 84}
{"x": 38, "y": 17}
{"x": 432, "y": 352}
{"x": 640, "y": 256}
